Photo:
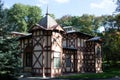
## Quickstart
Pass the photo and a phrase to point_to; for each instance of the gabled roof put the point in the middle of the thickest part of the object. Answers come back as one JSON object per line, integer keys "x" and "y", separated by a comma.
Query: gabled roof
{"x": 48, "y": 23}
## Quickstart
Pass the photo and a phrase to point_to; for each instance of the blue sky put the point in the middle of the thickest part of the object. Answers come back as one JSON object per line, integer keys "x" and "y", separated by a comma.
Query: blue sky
{"x": 69, "y": 7}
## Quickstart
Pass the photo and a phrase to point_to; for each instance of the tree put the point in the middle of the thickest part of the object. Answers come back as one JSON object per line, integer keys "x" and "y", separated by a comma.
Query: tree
{"x": 111, "y": 46}
{"x": 118, "y": 6}
{"x": 111, "y": 38}
{"x": 86, "y": 23}
{"x": 22, "y": 17}
{"x": 3, "y": 21}
{"x": 1, "y": 16}
{"x": 9, "y": 53}
{"x": 117, "y": 22}
{"x": 9, "y": 56}
{"x": 65, "y": 20}
{"x": 107, "y": 22}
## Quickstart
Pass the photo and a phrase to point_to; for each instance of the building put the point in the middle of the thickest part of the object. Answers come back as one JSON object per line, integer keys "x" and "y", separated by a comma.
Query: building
{"x": 69, "y": 28}
{"x": 50, "y": 51}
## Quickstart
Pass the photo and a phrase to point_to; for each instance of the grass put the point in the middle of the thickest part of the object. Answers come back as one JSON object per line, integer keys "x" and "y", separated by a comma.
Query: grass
{"x": 106, "y": 74}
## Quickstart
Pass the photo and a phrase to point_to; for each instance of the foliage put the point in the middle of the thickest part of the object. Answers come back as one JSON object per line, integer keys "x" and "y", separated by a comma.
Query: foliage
{"x": 118, "y": 6}
{"x": 111, "y": 39}
{"x": 9, "y": 56}
{"x": 3, "y": 21}
{"x": 22, "y": 17}
{"x": 107, "y": 22}
{"x": 9, "y": 53}
{"x": 7, "y": 77}
{"x": 65, "y": 20}
{"x": 117, "y": 22}
{"x": 111, "y": 46}
{"x": 86, "y": 23}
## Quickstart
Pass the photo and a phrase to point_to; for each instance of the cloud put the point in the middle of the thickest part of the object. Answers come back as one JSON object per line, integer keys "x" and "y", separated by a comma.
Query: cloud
{"x": 62, "y": 1}
{"x": 104, "y": 4}
{"x": 42, "y": 2}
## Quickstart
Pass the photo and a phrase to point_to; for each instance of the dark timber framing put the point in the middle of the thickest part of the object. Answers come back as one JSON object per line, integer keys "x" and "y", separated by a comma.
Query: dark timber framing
{"x": 54, "y": 51}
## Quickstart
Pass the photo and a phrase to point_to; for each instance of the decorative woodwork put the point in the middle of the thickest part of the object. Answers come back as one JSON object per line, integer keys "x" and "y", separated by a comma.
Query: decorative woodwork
{"x": 54, "y": 52}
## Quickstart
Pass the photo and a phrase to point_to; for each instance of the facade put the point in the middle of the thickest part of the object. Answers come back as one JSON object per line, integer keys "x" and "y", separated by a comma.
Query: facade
{"x": 48, "y": 50}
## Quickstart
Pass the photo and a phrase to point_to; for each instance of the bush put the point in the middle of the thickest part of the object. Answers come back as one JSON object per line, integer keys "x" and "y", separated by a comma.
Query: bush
{"x": 7, "y": 77}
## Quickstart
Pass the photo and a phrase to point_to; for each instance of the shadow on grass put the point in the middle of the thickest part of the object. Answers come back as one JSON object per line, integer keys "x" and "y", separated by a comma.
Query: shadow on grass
{"x": 104, "y": 75}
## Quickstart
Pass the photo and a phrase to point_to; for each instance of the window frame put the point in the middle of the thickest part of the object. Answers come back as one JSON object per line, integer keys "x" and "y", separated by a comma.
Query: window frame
{"x": 56, "y": 60}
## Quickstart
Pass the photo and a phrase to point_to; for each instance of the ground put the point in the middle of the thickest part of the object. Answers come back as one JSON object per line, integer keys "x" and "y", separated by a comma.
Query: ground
{"x": 48, "y": 78}
{"x": 39, "y": 78}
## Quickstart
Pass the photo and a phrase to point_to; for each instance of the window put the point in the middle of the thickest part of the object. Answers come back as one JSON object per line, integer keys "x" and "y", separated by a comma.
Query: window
{"x": 56, "y": 59}
{"x": 82, "y": 42}
{"x": 28, "y": 59}
{"x": 68, "y": 60}
{"x": 64, "y": 43}
{"x": 78, "y": 41}
{"x": 98, "y": 52}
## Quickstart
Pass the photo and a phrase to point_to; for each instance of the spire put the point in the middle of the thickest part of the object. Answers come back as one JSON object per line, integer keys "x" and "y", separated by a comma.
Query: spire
{"x": 47, "y": 11}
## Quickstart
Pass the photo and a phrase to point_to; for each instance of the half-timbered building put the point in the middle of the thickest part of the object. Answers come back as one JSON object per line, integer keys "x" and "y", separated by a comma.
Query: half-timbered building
{"x": 48, "y": 50}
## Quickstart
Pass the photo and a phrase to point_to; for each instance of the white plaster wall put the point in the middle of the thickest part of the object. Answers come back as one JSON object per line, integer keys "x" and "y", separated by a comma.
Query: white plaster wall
{"x": 37, "y": 47}
{"x": 57, "y": 44}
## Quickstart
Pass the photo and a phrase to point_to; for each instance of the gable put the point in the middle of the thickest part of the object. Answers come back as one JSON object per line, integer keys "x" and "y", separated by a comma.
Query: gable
{"x": 36, "y": 27}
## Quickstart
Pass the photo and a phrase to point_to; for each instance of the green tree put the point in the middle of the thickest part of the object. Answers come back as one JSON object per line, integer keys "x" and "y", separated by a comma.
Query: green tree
{"x": 117, "y": 22}
{"x": 22, "y": 17}
{"x": 65, "y": 20}
{"x": 9, "y": 56}
{"x": 86, "y": 23}
{"x": 9, "y": 53}
{"x": 111, "y": 46}
{"x": 111, "y": 38}
{"x": 3, "y": 21}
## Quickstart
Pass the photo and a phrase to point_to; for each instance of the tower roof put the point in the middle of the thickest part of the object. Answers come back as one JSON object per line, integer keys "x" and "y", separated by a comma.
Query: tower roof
{"x": 49, "y": 23}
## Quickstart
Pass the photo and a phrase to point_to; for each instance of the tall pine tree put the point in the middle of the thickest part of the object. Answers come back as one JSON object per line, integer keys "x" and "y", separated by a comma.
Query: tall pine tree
{"x": 9, "y": 53}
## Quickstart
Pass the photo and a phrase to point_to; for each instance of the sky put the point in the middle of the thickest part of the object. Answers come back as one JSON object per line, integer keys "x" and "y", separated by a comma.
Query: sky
{"x": 69, "y": 7}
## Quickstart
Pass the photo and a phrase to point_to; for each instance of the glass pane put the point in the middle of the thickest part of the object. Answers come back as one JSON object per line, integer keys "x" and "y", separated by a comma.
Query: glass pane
{"x": 56, "y": 62}
{"x": 68, "y": 61}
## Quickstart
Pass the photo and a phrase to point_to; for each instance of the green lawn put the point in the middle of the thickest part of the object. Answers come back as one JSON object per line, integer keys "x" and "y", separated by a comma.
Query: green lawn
{"x": 106, "y": 74}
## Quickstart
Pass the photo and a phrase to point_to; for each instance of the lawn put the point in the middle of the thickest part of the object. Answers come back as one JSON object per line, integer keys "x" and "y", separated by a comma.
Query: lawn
{"x": 106, "y": 74}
